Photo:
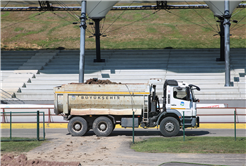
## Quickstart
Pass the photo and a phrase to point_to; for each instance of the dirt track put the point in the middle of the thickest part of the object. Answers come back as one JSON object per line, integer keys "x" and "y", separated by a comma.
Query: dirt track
{"x": 89, "y": 150}
{"x": 115, "y": 150}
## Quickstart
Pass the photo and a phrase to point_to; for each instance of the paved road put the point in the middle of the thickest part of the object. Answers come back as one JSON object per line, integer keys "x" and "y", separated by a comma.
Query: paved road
{"x": 155, "y": 132}
{"x": 128, "y": 132}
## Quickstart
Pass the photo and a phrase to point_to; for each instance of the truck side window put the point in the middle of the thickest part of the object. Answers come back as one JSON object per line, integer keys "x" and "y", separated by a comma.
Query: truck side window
{"x": 180, "y": 94}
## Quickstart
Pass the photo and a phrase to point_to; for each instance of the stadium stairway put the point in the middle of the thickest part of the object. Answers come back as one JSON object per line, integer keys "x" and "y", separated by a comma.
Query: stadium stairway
{"x": 194, "y": 66}
{"x": 17, "y": 69}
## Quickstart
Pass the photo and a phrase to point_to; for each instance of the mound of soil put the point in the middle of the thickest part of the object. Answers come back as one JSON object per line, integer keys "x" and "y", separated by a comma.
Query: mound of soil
{"x": 21, "y": 160}
{"x": 96, "y": 81}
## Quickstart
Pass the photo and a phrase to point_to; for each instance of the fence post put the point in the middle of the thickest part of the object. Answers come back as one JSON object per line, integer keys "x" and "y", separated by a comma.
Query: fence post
{"x": 49, "y": 115}
{"x": 183, "y": 126}
{"x": 43, "y": 126}
{"x": 3, "y": 119}
{"x": 235, "y": 127}
{"x": 10, "y": 136}
{"x": 38, "y": 125}
{"x": 133, "y": 127}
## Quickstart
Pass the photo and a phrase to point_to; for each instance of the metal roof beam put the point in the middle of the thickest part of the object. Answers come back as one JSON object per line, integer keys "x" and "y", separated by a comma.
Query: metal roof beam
{"x": 143, "y": 7}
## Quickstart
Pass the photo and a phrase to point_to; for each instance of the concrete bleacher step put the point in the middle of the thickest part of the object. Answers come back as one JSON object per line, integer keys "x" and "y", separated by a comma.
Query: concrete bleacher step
{"x": 34, "y": 96}
{"x": 38, "y": 61}
{"x": 58, "y": 77}
{"x": 138, "y": 66}
{"x": 40, "y": 86}
{"x": 14, "y": 61}
{"x": 24, "y": 91}
{"x": 14, "y": 57}
{"x": 15, "y": 81}
{"x": 71, "y": 67}
{"x": 219, "y": 97}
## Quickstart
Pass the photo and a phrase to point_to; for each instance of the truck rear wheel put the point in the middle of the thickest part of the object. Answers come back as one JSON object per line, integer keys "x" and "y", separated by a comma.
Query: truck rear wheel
{"x": 102, "y": 126}
{"x": 169, "y": 127}
{"x": 77, "y": 126}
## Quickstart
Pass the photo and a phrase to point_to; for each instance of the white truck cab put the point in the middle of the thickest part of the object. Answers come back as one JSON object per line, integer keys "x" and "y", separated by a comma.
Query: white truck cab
{"x": 181, "y": 98}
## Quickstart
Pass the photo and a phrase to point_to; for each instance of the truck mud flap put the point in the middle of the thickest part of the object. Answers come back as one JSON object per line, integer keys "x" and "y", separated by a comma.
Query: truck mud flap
{"x": 197, "y": 121}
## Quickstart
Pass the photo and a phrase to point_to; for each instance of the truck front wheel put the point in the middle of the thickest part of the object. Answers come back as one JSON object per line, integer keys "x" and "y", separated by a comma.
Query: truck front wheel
{"x": 102, "y": 126}
{"x": 169, "y": 127}
{"x": 77, "y": 126}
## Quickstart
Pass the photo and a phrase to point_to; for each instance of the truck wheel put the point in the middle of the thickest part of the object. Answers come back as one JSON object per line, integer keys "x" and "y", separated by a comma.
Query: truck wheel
{"x": 102, "y": 126}
{"x": 77, "y": 126}
{"x": 169, "y": 127}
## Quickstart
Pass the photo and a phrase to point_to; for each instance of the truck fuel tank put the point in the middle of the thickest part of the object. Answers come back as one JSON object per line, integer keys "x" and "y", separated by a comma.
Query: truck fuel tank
{"x": 83, "y": 99}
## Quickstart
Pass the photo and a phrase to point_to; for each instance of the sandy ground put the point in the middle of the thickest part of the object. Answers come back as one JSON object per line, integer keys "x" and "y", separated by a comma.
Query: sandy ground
{"x": 115, "y": 150}
{"x": 88, "y": 150}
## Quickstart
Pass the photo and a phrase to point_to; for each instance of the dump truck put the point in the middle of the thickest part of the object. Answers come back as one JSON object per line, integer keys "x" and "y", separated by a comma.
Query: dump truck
{"x": 102, "y": 106}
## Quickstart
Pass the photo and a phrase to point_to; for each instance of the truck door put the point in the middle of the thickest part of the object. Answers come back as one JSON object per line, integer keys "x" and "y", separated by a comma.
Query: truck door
{"x": 180, "y": 100}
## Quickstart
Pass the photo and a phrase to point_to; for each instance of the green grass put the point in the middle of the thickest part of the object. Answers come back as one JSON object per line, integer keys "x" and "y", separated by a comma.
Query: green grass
{"x": 179, "y": 29}
{"x": 19, "y": 146}
{"x": 4, "y": 14}
{"x": 22, "y": 35}
{"x": 19, "y": 29}
{"x": 192, "y": 145}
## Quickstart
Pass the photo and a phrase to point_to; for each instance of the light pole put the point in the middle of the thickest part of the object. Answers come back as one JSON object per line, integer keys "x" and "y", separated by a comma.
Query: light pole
{"x": 82, "y": 41}
{"x": 227, "y": 24}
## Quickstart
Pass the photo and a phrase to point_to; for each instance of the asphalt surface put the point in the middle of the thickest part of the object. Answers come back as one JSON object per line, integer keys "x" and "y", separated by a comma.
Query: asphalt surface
{"x": 128, "y": 132}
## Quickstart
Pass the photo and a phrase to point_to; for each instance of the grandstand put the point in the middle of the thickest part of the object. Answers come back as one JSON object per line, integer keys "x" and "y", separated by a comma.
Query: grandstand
{"x": 29, "y": 76}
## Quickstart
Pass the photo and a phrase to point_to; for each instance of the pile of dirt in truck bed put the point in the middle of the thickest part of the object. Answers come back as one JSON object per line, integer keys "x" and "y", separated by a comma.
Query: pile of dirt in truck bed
{"x": 11, "y": 160}
{"x": 96, "y": 81}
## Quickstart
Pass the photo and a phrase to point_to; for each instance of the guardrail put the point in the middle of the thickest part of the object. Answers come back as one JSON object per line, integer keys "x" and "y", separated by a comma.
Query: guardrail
{"x": 204, "y": 113}
{"x": 229, "y": 112}
{"x": 49, "y": 114}
{"x": 37, "y": 114}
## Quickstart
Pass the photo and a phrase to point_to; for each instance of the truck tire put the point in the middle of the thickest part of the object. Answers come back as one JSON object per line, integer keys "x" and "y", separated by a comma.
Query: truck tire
{"x": 102, "y": 126}
{"x": 77, "y": 126}
{"x": 169, "y": 127}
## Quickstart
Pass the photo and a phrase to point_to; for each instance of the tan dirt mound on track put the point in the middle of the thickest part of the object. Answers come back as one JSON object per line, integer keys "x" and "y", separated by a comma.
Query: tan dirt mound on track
{"x": 11, "y": 160}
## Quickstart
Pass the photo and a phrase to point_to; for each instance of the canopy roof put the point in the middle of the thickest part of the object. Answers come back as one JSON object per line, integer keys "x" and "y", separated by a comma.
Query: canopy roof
{"x": 76, "y": 2}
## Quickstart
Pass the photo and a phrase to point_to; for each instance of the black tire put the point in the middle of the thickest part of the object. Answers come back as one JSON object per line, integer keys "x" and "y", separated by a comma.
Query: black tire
{"x": 169, "y": 127}
{"x": 102, "y": 126}
{"x": 77, "y": 126}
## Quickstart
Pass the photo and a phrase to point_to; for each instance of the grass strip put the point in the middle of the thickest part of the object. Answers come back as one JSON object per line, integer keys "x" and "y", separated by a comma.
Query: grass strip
{"x": 19, "y": 146}
{"x": 192, "y": 145}
{"x": 180, "y": 29}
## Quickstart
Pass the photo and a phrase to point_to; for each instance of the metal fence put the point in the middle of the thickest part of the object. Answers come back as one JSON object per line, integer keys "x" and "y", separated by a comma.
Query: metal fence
{"x": 37, "y": 131}
{"x": 48, "y": 110}
{"x": 222, "y": 115}
{"x": 207, "y": 115}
